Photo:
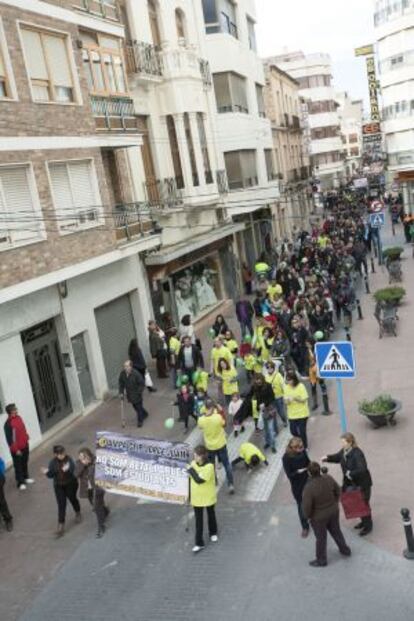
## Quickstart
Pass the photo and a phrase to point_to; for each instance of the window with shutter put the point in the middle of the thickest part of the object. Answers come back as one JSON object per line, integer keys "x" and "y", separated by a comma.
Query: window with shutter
{"x": 74, "y": 195}
{"x": 104, "y": 64}
{"x": 20, "y": 219}
{"x": 48, "y": 66}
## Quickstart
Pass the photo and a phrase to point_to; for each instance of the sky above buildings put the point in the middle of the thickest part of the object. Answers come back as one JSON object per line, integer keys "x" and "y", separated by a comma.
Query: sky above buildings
{"x": 332, "y": 26}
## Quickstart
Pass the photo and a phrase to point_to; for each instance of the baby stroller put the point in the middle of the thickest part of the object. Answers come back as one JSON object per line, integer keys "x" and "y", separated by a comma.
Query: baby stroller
{"x": 387, "y": 317}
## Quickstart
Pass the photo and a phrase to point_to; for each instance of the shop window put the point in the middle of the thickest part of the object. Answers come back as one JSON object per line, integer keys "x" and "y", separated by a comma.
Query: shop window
{"x": 104, "y": 64}
{"x": 230, "y": 90}
{"x": 48, "y": 66}
{"x": 195, "y": 289}
{"x": 175, "y": 152}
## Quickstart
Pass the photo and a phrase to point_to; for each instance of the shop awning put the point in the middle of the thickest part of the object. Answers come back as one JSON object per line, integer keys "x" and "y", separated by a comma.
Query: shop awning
{"x": 179, "y": 250}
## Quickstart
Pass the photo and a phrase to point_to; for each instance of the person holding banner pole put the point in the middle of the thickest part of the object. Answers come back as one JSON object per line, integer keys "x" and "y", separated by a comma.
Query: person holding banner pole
{"x": 203, "y": 495}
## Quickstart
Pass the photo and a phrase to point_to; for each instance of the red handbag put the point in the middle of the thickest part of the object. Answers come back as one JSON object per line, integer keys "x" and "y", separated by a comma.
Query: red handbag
{"x": 354, "y": 503}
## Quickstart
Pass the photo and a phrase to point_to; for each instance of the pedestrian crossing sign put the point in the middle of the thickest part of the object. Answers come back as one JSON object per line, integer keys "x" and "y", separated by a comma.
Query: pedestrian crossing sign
{"x": 335, "y": 359}
{"x": 377, "y": 220}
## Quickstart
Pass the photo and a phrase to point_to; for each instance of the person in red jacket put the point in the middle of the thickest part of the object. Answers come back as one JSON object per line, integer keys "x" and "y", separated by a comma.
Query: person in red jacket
{"x": 18, "y": 441}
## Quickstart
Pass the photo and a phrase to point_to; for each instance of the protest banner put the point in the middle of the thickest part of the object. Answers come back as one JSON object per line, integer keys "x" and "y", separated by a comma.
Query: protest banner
{"x": 142, "y": 467}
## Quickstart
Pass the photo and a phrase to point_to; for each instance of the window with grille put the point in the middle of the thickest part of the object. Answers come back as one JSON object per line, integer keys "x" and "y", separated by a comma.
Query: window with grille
{"x": 48, "y": 66}
{"x": 241, "y": 168}
{"x": 104, "y": 64}
{"x": 75, "y": 195}
{"x": 20, "y": 217}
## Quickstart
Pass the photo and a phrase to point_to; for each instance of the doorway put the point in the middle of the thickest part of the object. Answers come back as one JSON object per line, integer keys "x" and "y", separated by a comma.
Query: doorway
{"x": 82, "y": 368}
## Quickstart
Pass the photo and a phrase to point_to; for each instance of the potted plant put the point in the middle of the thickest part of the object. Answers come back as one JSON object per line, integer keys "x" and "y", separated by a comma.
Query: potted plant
{"x": 390, "y": 295}
{"x": 393, "y": 253}
{"x": 381, "y": 411}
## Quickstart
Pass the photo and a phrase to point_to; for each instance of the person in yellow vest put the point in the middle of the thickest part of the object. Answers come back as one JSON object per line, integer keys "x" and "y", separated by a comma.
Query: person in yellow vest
{"x": 218, "y": 352}
{"x": 296, "y": 399}
{"x": 203, "y": 495}
{"x": 249, "y": 364}
{"x": 274, "y": 290}
{"x": 274, "y": 377}
{"x": 264, "y": 344}
{"x": 212, "y": 425}
{"x": 201, "y": 380}
{"x": 229, "y": 383}
{"x": 250, "y": 455}
{"x": 174, "y": 346}
{"x": 230, "y": 342}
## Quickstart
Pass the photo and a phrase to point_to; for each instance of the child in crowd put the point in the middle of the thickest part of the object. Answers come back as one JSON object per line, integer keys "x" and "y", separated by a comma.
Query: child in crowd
{"x": 199, "y": 402}
{"x": 186, "y": 406}
{"x": 234, "y": 406}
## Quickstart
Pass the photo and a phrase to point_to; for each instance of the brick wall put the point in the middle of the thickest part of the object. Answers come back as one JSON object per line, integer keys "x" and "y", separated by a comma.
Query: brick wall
{"x": 24, "y": 117}
{"x": 57, "y": 251}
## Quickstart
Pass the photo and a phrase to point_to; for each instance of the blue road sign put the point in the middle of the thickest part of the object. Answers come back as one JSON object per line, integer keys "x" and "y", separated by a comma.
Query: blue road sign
{"x": 335, "y": 359}
{"x": 377, "y": 220}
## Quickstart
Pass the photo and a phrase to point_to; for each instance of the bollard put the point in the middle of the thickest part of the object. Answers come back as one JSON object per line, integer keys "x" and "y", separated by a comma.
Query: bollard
{"x": 372, "y": 265}
{"x": 366, "y": 283}
{"x": 359, "y": 309}
{"x": 409, "y": 551}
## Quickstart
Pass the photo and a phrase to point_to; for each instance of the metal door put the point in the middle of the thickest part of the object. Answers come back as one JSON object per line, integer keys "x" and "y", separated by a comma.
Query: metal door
{"x": 82, "y": 368}
{"x": 46, "y": 372}
{"x": 116, "y": 328}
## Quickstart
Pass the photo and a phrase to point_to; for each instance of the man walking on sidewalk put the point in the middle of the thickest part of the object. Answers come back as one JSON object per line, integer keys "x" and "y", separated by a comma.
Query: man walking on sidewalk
{"x": 18, "y": 440}
{"x": 132, "y": 383}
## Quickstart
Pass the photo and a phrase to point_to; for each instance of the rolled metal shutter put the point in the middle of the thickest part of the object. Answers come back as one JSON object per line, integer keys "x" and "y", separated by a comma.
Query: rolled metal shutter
{"x": 116, "y": 328}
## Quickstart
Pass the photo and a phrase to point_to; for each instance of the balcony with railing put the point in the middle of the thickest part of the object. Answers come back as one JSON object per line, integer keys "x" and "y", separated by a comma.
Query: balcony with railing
{"x": 164, "y": 193}
{"x": 143, "y": 60}
{"x": 114, "y": 114}
{"x": 108, "y": 9}
{"x": 132, "y": 220}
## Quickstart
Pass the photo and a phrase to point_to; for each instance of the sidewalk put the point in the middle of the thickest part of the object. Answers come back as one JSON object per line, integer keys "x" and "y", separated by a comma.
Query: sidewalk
{"x": 383, "y": 366}
{"x": 31, "y": 557}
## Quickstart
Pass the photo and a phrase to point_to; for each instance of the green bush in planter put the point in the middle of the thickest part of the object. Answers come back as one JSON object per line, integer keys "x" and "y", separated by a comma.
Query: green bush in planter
{"x": 379, "y": 406}
{"x": 391, "y": 295}
{"x": 393, "y": 253}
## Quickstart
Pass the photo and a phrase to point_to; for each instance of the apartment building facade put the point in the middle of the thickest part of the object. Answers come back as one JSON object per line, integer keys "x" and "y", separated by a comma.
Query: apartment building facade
{"x": 394, "y": 34}
{"x": 350, "y": 114}
{"x": 284, "y": 109}
{"x": 314, "y": 74}
{"x": 243, "y": 131}
{"x": 73, "y": 287}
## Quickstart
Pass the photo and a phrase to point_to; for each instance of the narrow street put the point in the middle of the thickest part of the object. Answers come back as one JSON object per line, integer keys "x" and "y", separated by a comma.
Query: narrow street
{"x": 143, "y": 568}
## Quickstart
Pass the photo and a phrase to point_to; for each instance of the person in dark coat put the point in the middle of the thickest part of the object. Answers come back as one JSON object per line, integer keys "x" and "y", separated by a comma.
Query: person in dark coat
{"x": 85, "y": 473}
{"x": 189, "y": 358}
{"x": 62, "y": 470}
{"x": 4, "y": 508}
{"x": 186, "y": 405}
{"x": 295, "y": 463}
{"x": 220, "y": 326}
{"x": 320, "y": 505}
{"x": 262, "y": 392}
{"x": 131, "y": 383}
{"x": 355, "y": 473}
{"x": 138, "y": 361}
{"x": 244, "y": 314}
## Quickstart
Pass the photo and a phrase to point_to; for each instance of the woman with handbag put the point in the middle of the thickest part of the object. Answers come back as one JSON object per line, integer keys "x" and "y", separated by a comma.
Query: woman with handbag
{"x": 355, "y": 474}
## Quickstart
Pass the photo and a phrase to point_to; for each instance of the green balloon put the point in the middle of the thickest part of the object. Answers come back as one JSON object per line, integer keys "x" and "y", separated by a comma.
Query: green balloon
{"x": 169, "y": 423}
{"x": 196, "y": 377}
{"x": 184, "y": 379}
{"x": 239, "y": 362}
{"x": 212, "y": 333}
{"x": 247, "y": 338}
{"x": 178, "y": 382}
{"x": 319, "y": 335}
